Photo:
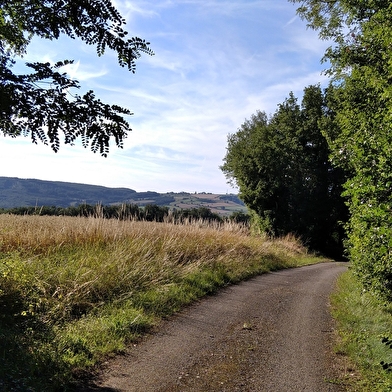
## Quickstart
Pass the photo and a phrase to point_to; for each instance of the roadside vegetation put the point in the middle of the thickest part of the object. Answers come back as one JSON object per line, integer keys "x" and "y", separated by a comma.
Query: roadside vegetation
{"x": 75, "y": 290}
{"x": 364, "y": 327}
{"x": 322, "y": 168}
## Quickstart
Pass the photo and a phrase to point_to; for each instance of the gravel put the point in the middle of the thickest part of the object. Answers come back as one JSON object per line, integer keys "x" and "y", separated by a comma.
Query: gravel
{"x": 273, "y": 333}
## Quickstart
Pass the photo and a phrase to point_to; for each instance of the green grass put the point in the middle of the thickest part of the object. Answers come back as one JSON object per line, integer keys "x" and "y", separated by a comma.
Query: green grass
{"x": 362, "y": 321}
{"x": 74, "y": 291}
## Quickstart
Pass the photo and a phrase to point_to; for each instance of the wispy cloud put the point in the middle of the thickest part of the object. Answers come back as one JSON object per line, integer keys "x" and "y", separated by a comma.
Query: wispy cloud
{"x": 83, "y": 72}
{"x": 215, "y": 64}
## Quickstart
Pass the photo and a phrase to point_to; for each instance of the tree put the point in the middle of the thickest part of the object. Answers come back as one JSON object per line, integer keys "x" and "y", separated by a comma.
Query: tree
{"x": 199, "y": 213}
{"x": 239, "y": 217}
{"x": 281, "y": 167}
{"x": 39, "y": 103}
{"x": 155, "y": 213}
{"x": 361, "y": 61}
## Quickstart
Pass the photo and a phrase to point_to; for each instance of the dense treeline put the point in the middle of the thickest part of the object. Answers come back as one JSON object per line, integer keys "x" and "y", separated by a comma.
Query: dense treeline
{"x": 282, "y": 169}
{"x": 361, "y": 138}
{"x": 151, "y": 213}
{"x": 312, "y": 167}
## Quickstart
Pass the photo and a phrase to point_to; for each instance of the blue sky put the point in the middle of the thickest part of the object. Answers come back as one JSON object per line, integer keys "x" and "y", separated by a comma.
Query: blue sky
{"x": 216, "y": 63}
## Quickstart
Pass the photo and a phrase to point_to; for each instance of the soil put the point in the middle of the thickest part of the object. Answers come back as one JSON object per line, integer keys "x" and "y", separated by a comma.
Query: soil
{"x": 273, "y": 333}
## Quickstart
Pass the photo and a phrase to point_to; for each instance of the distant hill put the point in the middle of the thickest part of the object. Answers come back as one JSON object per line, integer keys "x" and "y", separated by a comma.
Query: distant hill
{"x": 17, "y": 192}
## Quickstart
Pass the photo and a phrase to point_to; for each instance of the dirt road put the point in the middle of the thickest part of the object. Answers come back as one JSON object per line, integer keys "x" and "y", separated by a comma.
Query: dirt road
{"x": 272, "y": 334}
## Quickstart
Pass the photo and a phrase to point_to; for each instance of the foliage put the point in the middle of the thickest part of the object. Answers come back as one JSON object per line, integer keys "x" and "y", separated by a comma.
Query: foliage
{"x": 388, "y": 342}
{"x": 75, "y": 290}
{"x": 362, "y": 320}
{"x": 123, "y": 211}
{"x": 281, "y": 167}
{"x": 361, "y": 65}
{"x": 150, "y": 213}
{"x": 154, "y": 213}
{"x": 39, "y": 103}
{"x": 200, "y": 213}
{"x": 240, "y": 217}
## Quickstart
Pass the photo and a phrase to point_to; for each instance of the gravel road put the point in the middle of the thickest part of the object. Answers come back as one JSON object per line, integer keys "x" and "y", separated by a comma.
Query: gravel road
{"x": 272, "y": 333}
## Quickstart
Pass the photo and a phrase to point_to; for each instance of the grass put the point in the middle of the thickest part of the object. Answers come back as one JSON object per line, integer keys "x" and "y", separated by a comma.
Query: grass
{"x": 74, "y": 291}
{"x": 362, "y": 322}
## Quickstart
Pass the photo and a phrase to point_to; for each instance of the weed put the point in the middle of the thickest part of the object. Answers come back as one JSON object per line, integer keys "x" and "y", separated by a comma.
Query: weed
{"x": 75, "y": 290}
{"x": 362, "y": 320}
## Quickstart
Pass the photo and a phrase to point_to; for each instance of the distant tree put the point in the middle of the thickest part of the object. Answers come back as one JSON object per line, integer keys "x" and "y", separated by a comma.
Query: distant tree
{"x": 281, "y": 167}
{"x": 39, "y": 103}
{"x": 361, "y": 142}
{"x": 239, "y": 217}
{"x": 200, "y": 213}
{"x": 128, "y": 211}
{"x": 121, "y": 212}
{"x": 155, "y": 213}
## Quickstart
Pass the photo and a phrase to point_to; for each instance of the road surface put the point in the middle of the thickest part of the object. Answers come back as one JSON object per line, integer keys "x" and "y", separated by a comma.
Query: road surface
{"x": 273, "y": 333}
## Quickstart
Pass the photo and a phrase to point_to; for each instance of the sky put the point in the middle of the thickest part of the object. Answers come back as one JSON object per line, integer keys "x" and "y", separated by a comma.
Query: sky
{"x": 216, "y": 63}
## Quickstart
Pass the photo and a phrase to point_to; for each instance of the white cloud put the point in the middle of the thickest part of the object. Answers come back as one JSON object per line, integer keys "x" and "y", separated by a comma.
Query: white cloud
{"x": 84, "y": 72}
{"x": 216, "y": 63}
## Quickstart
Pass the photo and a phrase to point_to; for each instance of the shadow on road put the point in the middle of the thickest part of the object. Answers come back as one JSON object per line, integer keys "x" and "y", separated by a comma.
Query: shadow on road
{"x": 95, "y": 388}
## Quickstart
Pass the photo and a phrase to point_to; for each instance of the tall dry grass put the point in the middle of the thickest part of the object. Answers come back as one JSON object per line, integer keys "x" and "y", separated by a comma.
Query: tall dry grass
{"x": 68, "y": 265}
{"x": 78, "y": 289}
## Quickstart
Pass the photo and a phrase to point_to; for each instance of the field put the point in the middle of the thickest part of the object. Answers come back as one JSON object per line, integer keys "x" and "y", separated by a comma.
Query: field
{"x": 74, "y": 291}
{"x": 223, "y": 205}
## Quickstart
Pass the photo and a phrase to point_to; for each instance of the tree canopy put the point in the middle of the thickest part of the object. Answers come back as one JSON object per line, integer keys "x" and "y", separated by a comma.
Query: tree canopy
{"x": 361, "y": 58}
{"x": 281, "y": 167}
{"x": 39, "y": 103}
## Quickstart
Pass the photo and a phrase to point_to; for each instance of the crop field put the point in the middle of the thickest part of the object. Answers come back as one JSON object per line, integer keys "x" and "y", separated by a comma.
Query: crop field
{"x": 74, "y": 291}
{"x": 218, "y": 204}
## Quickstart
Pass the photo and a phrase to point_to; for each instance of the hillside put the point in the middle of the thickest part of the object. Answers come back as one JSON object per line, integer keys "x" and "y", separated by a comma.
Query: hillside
{"x": 17, "y": 192}
{"x": 220, "y": 204}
